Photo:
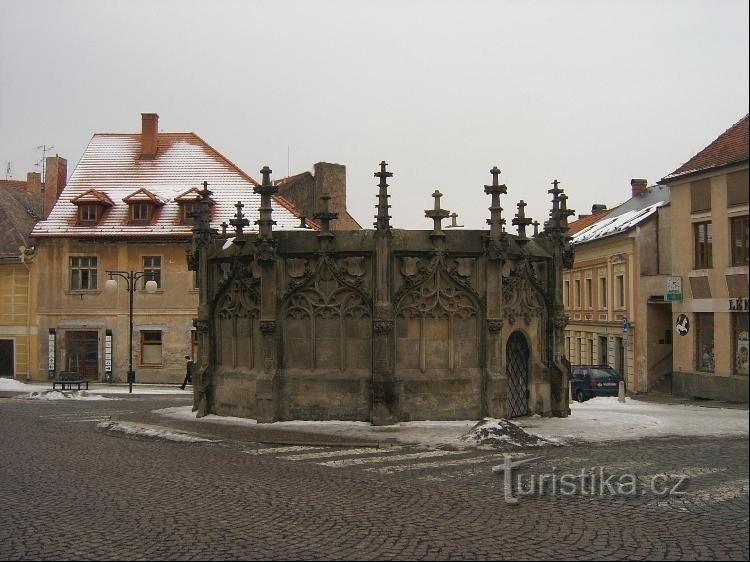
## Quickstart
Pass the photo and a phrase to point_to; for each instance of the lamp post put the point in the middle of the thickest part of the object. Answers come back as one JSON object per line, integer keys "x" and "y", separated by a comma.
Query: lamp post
{"x": 131, "y": 277}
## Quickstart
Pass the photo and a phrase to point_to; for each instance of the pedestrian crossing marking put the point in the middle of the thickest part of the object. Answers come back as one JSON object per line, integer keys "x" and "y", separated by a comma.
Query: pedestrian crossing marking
{"x": 391, "y": 458}
{"x": 286, "y": 449}
{"x": 337, "y": 453}
{"x": 78, "y": 414}
{"x": 426, "y": 465}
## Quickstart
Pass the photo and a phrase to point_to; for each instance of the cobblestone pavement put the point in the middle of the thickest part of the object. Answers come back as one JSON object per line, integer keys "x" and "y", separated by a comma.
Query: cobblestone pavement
{"x": 72, "y": 491}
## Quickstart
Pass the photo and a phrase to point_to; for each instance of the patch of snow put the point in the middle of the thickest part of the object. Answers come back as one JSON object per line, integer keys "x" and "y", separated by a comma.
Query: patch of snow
{"x": 596, "y": 420}
{"x": 151, "y": 431}
{"x": 62, "y": 395}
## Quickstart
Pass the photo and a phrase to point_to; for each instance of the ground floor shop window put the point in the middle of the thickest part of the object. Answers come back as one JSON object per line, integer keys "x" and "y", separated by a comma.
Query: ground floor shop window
{"x": 740, "y": 343}
{"x": 704, "y": 341}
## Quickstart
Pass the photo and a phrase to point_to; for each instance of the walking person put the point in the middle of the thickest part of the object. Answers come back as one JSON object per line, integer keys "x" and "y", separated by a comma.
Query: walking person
{"x": 188, "y": 373}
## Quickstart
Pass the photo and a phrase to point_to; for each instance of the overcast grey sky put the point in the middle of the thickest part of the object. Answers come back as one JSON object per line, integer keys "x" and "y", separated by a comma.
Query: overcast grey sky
{"x": 592, "y": 93}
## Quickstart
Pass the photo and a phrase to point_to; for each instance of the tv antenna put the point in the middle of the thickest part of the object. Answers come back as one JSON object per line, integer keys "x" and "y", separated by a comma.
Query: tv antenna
{"x": 45, "y": 149}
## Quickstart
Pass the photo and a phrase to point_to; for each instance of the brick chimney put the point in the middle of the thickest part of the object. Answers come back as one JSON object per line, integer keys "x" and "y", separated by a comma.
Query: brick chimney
{"x": 34, "y": 182}
{"x": 638, "y": 186}
{"x": 149, "y": 130}
{"x": 331, "y": 179}
{"x": 56, "y": 176}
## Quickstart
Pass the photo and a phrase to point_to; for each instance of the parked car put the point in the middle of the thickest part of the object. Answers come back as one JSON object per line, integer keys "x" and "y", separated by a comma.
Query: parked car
{"x": 588, "y": 381}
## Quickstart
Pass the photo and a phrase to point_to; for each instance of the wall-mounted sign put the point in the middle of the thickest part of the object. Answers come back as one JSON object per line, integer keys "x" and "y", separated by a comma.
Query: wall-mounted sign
{"x": 673, "y": 286}
{"x": 739, "y": 305}
{"x": 108, "y": 353}
{"x": 51, "y": 353}
{"x": 682, "y": 325}
{"x": 108, "y": 356}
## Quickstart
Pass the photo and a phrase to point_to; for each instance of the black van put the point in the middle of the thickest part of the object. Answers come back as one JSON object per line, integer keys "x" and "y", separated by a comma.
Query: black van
{"x": 588, "y": 381}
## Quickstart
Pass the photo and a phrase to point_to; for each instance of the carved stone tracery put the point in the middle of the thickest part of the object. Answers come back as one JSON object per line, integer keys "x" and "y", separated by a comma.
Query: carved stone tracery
{"x": 523, "y": 295}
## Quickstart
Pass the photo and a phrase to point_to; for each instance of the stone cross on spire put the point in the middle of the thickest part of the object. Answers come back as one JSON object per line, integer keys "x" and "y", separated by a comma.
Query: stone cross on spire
{"x": 496, "y": 220}
{"x": 239, "y": 222}
{"x": 437, "y": 215}
{"x": 536, "y": 228}
{"x": 382, "y": 219}
{"x": 564, "y": 211}
{"x": 555, "y": 191}
{"x": 266, "y": 189}
{"x": 454, "y": 223}
{"x": 521, "y": 221}
{"x": 325, "y": 217}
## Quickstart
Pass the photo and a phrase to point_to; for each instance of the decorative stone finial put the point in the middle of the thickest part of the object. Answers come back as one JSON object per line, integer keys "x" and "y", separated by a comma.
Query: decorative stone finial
{"x": 521, "y": 221}
{"x": 325, "y": 217}
{"x": 239, "y": 222}
{"x": 382, "y": 219}
{"x": 496, "y": 220}
{"x": 265, "y": 190}
{"x": 437, "y": 215}
{"x": 453, "y": 224}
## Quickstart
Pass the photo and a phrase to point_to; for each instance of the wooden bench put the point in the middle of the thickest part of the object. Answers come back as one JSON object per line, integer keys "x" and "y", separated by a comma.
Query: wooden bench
{"x": 70, "y": 384}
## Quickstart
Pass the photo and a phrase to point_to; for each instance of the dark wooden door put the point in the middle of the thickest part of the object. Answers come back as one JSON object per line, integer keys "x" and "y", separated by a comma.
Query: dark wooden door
{"x": 6, "y": 358}
{"x": 83, "y": 354}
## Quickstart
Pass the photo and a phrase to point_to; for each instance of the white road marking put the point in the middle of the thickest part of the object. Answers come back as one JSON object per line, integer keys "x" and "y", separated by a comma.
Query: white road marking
{"x": 425, "y": 465}
{"x": 338, "y": 453}
{"x": 392, "y": 458}
{"x": 288, "y": 449}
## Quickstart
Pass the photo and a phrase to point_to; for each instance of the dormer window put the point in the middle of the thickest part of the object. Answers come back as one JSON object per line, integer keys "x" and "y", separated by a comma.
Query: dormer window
{"x": 142, "y": 206}
{"x": 88, "y": 214}
{"x": 187, "y": 209}
{"x": 188, "y": 203}
{"x": 91, "y": 207}
{"x": 141, "y": 212}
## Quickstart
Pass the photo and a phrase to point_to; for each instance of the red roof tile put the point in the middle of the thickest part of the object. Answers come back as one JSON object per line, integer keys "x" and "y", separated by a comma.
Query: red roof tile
{"x": 730, "y": 147}
{"x": 580, "y": 224}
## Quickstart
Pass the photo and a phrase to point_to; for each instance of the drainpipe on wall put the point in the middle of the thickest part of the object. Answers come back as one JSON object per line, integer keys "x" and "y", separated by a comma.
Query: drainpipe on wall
{"x": 24, "y": 254}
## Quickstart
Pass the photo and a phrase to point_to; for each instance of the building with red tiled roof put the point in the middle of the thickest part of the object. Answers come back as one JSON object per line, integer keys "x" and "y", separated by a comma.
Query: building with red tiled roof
{"x": 126, "y": 209}
{"x": 729, "y": 149}
{"x": 710, "y": 233}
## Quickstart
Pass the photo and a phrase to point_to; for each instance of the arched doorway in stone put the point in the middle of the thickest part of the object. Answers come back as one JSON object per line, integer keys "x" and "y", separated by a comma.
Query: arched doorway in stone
{"x": 517, "y": 361}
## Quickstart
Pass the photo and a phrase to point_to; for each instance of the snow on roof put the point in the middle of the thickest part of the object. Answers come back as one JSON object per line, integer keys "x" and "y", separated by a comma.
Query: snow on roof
{"x": 111, "y": 164}
{"x": 611, "y": 225}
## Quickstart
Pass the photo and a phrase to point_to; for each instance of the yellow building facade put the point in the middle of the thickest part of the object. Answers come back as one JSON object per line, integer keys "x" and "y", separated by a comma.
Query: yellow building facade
{"x": 614, "y": 293}
{"x": 710, "y": 259}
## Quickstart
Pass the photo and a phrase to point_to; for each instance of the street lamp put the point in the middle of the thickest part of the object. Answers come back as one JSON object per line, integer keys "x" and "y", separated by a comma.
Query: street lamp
{"x": 131, "y": 277}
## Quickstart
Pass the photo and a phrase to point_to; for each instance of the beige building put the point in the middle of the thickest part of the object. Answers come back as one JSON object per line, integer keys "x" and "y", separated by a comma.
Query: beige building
{"x": 710, "y": 265}
{"x": 22, "y": 204}
{"x": 614, "y": 293}
{"x": 125, "y": 214}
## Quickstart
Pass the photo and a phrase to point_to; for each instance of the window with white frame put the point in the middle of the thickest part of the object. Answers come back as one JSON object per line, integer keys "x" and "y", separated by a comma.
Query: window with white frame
{"x": 152, "y": 269}
{"x": 82, "y": 273}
